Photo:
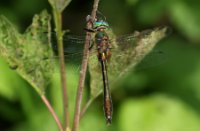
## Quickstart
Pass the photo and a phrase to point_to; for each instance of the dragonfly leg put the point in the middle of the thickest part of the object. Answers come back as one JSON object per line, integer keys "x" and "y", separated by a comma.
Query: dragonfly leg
{"x": 89, "y": 30}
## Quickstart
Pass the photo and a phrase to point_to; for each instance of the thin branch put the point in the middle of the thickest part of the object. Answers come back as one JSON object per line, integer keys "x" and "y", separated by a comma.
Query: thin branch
{"x": 51, "y": 110}
{"x": 84, "y": 69}
{"x": 88, "y": 103}
{"x": 58, "y": 23}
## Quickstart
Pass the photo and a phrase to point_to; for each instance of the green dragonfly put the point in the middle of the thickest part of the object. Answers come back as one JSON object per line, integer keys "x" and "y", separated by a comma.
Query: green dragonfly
{"x": 111, "y": 56}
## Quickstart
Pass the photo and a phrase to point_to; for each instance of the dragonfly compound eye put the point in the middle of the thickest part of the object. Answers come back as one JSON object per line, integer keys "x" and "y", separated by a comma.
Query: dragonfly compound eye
{"x": 100, "y": 25}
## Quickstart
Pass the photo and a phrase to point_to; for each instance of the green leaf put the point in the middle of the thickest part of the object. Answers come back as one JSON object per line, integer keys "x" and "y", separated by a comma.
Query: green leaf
{"x": 157, "y": 113}
{"x": 132, "y": 2}
{"x": 125, "y": 57}
{"x": 151, "y": 11}
{"x": 59, "y": 5}
{"x": 28, "y": 53}
{"x": 186, "y": 18}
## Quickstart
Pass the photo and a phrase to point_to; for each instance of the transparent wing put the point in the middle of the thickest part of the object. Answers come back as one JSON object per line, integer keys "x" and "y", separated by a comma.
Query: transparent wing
{"x": 129, "y": 40}
{"x": 130, "y": 51}
{"x": 73, "y": 48}
{"x": 154, "y": 58}
{"x": 72, "y": 44}
{"x": 74, "y": 60}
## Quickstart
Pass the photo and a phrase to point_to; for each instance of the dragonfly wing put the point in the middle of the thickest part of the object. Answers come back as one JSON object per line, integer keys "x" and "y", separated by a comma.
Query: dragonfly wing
{"x": 125, "y": 42}
{"x": 72, "y": 43}
{"x": 128, "y": 52}
{"x": 74, "y": 60}
{"x": 154, "y": 58}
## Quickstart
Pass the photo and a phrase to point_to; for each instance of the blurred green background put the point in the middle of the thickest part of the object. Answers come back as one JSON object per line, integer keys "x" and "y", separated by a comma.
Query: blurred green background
{"x": 165, "y": 97}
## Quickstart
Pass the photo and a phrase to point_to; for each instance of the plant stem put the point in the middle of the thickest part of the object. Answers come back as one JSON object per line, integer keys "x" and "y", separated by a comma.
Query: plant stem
{"x": 58, "y": 24}
{"x": 51, "y": 110}
{"x": 88, "y": 103}
{"x": 84, "y": 68}
{"x": 86, "y": 106}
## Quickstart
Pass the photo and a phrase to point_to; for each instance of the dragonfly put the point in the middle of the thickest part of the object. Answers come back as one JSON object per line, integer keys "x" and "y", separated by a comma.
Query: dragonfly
{"x": 113, "y": 55}
{"x": 103, "y": 54}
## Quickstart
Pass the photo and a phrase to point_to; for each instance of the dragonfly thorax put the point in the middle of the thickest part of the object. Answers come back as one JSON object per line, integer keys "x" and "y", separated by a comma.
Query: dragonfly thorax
{"x": 103, "y": 46}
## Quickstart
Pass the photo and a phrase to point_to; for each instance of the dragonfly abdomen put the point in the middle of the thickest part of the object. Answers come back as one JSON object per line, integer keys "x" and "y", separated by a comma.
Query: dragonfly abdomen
{"x": 107, "y": 97}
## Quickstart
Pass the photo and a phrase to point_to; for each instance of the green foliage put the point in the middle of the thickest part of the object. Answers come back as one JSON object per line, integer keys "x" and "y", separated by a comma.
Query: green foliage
{"x": 183, "y": 15}
{"x": 59, "y": 5}
{"x": 157, "y": 112}
{"x": 162, "y": 98}
{"x": 186, "y": 18}
{"x": 28, "y": 53}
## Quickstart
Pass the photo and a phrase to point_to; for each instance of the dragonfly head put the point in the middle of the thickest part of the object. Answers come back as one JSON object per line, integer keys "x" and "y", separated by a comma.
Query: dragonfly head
{"x": 100, "y": 24}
